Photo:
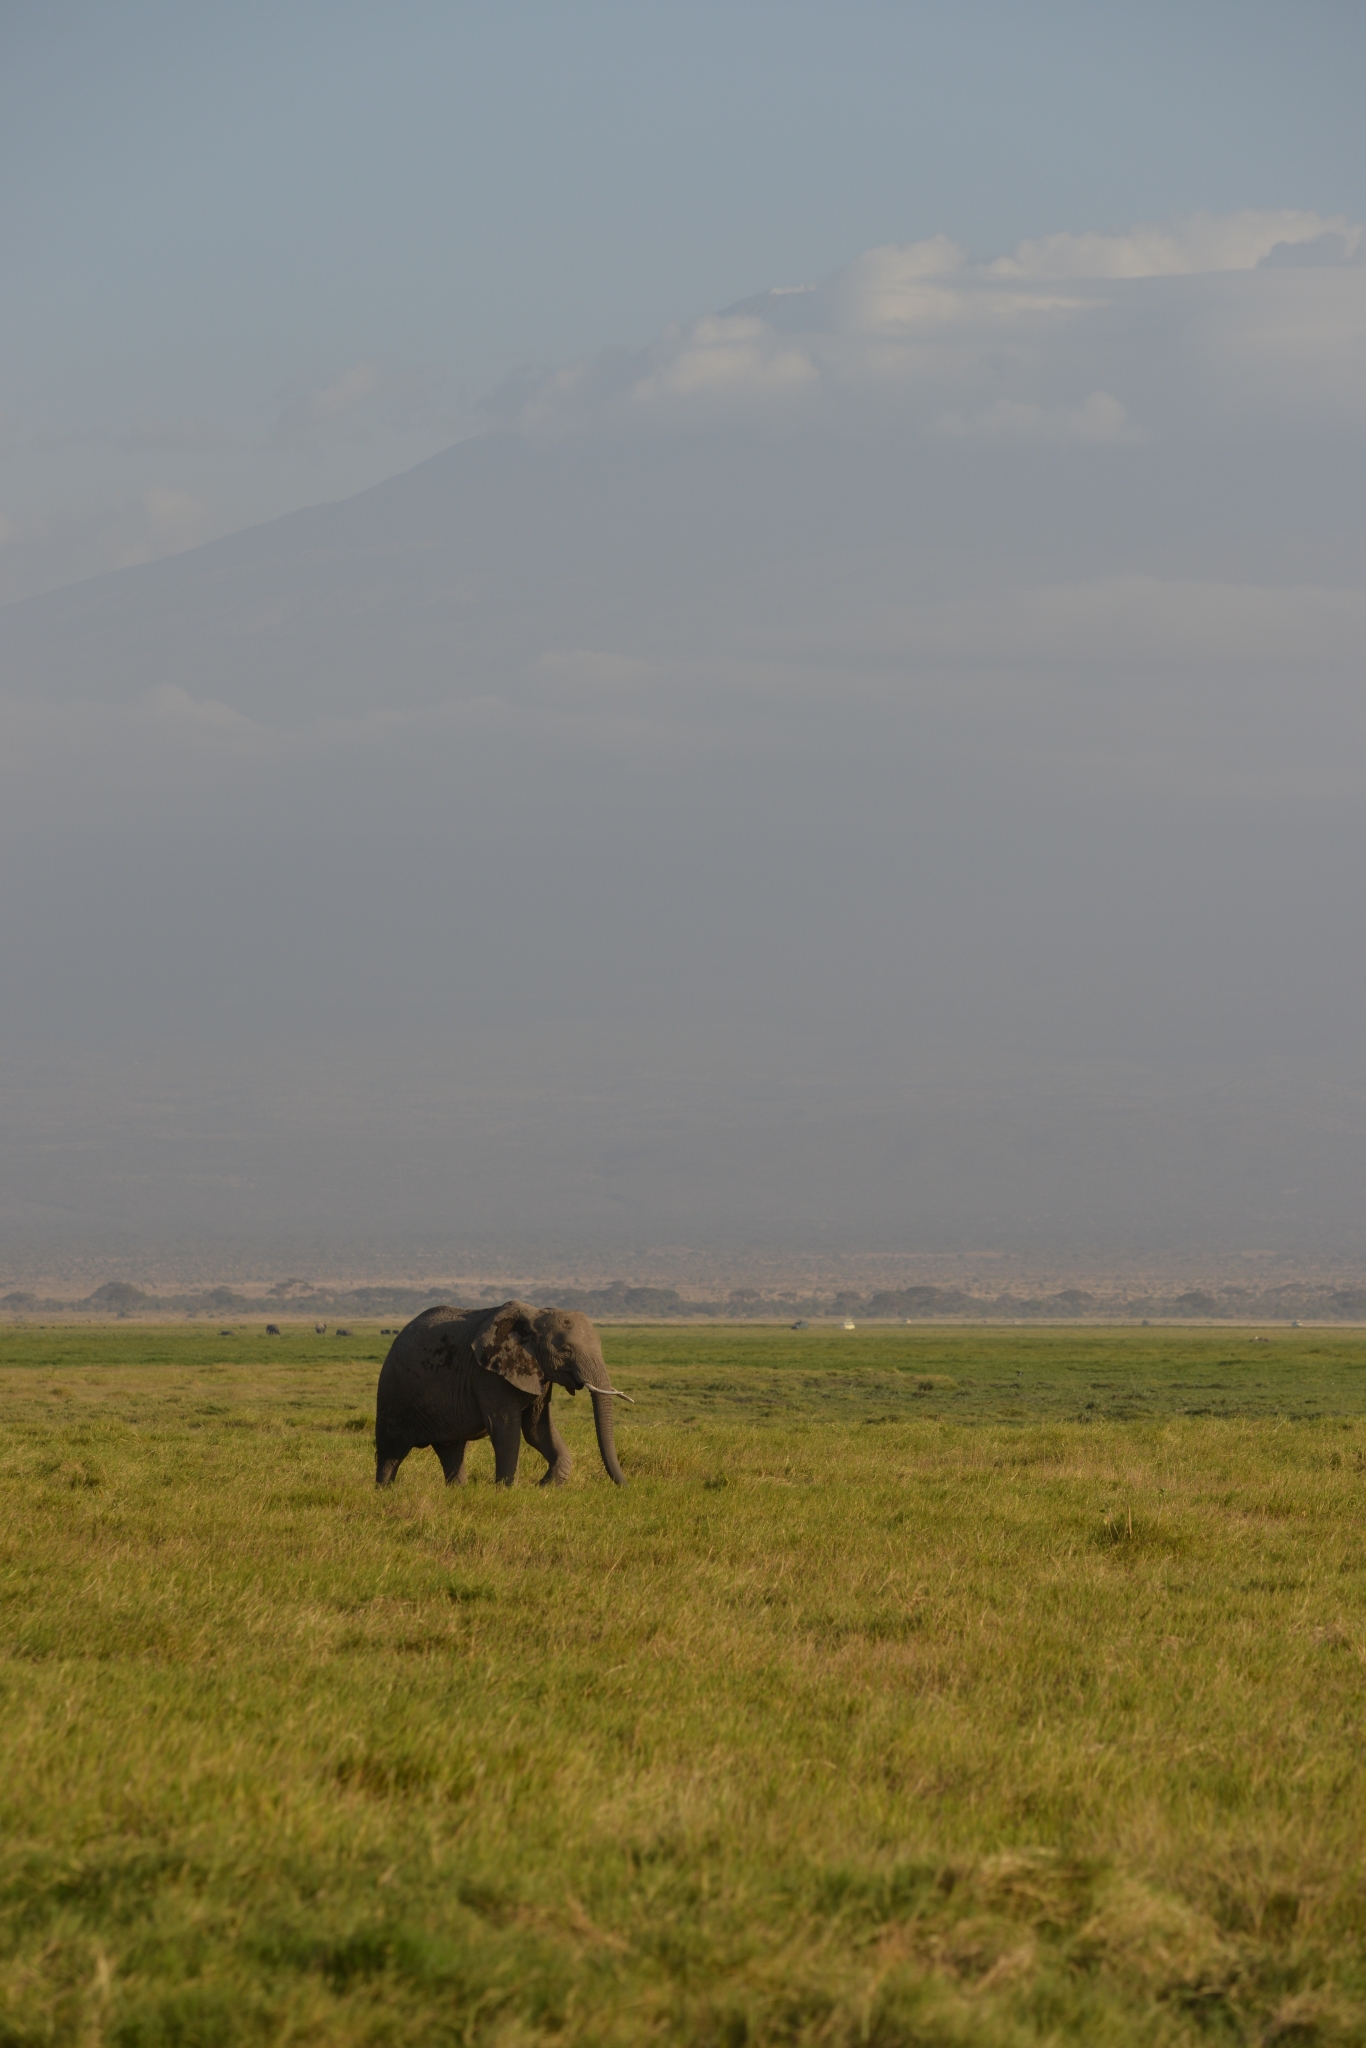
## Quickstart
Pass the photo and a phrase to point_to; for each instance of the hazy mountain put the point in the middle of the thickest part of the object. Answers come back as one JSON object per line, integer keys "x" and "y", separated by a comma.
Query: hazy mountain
{"x": 883, "y": 763}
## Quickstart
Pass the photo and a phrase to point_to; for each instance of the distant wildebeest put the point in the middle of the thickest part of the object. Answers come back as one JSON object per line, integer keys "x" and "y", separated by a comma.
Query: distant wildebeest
{"x": 225, "y": 1333}
{"x": 272, "y": 1329}
{"x": 343, "y": 1333}
{"x": 320, "y": 1329}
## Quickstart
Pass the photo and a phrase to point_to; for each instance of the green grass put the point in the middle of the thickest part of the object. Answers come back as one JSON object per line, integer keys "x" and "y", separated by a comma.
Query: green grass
{"x": 924, "y": 1687}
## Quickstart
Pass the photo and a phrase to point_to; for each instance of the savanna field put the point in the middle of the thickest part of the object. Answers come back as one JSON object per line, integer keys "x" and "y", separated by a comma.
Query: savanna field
{"x": 925, "y": 1686}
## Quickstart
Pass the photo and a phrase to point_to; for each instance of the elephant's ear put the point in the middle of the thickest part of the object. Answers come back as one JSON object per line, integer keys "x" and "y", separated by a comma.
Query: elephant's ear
{"x": 507, "y": 1345}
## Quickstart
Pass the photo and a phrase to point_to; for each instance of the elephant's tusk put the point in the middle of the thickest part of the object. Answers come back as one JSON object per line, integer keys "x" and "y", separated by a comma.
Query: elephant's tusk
{"x": 615, "y": 1392}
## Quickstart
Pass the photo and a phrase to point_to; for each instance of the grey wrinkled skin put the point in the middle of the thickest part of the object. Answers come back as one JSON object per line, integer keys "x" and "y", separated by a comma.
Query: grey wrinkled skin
{"x": 453, "y": 1375}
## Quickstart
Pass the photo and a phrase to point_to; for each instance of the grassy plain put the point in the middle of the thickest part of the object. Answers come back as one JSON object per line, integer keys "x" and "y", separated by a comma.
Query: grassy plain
{"x": 925, "y": 1687}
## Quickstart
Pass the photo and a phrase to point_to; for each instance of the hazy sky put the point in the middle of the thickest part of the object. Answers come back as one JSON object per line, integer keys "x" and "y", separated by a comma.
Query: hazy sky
{"x": 258, "y": 256}
{"x": 860, "y": 740}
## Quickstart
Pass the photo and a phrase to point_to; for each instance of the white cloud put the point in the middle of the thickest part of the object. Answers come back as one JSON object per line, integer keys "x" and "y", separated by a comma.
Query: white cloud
{"x": 1197, "y": 245}
{"x": 1046, "y": 347}
{"x": 720, "y": 362}
{"x": 331, "y": 406}
{"x": 903, "y": 288}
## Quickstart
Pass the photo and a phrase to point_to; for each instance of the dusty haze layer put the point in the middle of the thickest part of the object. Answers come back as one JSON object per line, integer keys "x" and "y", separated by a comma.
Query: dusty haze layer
{"x": 881, "y": 768}
{"x": 665, "y": 1284}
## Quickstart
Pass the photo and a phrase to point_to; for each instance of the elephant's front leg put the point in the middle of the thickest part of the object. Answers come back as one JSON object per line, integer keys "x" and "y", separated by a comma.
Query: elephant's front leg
{"x": 539, "y": 1429}
{"x": 452, "y": 1456}
{"x": 506, "y": 1430}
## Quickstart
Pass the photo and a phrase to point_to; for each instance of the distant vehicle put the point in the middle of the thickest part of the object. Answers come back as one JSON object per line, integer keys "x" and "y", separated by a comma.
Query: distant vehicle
{"x": 848, "y": 1323}
{"x": 272, "y": 1329}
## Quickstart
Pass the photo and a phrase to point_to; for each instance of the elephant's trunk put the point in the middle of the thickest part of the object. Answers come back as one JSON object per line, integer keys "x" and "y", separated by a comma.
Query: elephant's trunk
{"x": 601, "y": 1398}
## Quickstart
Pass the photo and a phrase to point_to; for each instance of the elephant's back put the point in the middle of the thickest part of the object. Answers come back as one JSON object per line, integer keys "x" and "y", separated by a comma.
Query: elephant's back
{"x": 436, "y": 1341}
{"x": 442, "y": 1315}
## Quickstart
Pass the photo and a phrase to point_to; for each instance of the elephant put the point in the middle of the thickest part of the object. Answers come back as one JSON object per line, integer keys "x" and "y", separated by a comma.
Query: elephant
{"x": 453, "y": 1375}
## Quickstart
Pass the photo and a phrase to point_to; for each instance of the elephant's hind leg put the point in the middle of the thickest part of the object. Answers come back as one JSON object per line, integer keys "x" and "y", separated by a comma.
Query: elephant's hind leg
{"x": 387, "y": 1463}
{"x": 540, "y": 1432}
{"x": 452, "y": 1456}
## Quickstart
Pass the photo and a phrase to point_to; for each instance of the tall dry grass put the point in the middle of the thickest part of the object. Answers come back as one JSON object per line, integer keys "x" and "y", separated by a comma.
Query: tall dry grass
{"x": 904, "y": 1697}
